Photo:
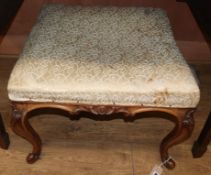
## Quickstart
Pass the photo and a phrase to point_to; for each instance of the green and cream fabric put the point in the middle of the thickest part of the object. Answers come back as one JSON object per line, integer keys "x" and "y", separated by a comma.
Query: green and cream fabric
{"x": 103, "y": 55}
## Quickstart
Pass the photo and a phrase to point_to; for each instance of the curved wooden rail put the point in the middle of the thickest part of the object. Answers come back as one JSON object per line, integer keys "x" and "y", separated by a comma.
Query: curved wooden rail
{"x": 182, "y": 117}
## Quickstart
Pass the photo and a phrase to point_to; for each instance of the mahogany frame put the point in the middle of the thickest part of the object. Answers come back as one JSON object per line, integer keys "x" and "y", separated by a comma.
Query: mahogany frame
{"x": 182, "y": 117}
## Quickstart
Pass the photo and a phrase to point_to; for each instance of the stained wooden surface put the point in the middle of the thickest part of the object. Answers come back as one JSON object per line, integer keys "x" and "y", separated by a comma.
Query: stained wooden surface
{"x": 88, "y": 147}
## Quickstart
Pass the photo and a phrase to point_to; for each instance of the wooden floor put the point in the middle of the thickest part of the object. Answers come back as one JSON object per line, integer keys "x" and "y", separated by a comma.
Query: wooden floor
{"x": 88, "y": 147}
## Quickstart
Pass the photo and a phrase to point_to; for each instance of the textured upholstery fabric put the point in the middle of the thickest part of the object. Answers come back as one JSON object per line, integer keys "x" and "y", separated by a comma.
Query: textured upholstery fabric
{"x": 103, "y": 55}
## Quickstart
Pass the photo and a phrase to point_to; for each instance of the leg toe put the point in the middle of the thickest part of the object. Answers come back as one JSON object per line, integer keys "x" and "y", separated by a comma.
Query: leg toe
{"x": 32, "y": 157}
{"x": 170, "y": 164}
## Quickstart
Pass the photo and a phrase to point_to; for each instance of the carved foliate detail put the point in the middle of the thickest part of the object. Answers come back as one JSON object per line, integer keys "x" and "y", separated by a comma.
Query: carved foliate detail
{"x": 101, "y": 110}
{"x": 188, "y": 120}
{"x": 18, "y": 110}
{"x": 16, "y": 113}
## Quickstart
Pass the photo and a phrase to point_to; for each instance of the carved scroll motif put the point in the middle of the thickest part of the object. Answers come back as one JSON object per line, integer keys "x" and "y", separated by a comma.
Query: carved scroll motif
{"x": 101, "y": 110}
{"x": 188, "y": 120}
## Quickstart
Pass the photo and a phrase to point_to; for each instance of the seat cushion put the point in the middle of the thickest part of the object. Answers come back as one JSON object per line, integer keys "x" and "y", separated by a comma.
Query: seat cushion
{"x": 103, "y": 55}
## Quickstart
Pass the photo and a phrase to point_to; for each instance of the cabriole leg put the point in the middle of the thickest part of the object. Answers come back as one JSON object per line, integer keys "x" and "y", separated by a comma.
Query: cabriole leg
{"x": 183, "y": 128}
{"x": 21, "y": 126}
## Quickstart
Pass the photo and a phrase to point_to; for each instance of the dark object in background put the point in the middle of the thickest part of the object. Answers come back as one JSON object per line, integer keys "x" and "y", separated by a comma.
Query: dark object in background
{"x": 8, "y": 10}
{"x": 202, "y": 13}
{"x": 200, "y": 146}
{"x": 4, "y": 137}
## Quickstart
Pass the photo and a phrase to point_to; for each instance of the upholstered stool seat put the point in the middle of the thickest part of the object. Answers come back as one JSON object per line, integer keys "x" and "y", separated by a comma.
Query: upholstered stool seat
{"x": 109, "y": 55}
{"x": 103, "y": 56}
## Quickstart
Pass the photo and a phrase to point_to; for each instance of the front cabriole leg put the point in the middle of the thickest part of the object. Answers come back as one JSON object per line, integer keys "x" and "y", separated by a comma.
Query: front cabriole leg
{"x": 21, "y": 126}
{"x": 184, "y": 124}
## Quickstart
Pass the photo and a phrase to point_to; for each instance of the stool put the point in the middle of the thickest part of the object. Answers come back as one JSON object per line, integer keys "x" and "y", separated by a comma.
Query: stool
{"x": 4, "y": 137}
{"x": 103, "y": 60}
